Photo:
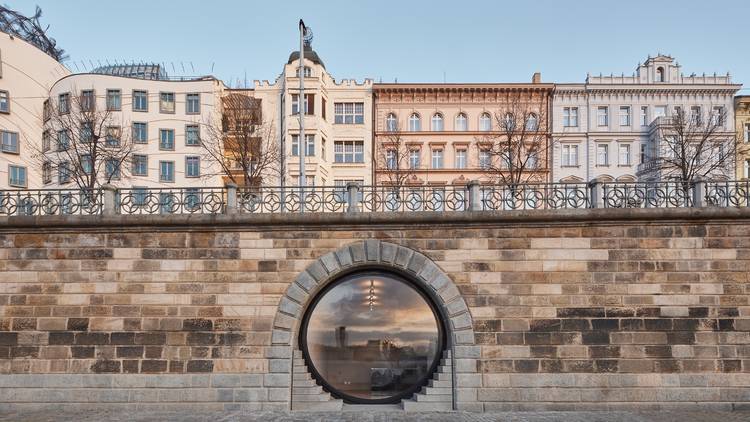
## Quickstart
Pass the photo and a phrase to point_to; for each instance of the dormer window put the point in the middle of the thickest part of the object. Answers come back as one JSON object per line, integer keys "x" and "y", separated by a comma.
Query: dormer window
{"x": 659, "y": 74}
{"x": 308, "y": 72}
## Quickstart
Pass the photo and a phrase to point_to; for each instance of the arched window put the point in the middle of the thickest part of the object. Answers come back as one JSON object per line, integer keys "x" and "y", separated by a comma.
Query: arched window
{"x": 437, "y": 122}
{"x": 532, "y": 123}
{"x": 461, "y": 122}
{"x": 509, "y": 122}
{"x": 414, "y": 123}
{"x": 391, "y": 123}
{"x": 485, "y": 122}
{"x": 659, "y": 74}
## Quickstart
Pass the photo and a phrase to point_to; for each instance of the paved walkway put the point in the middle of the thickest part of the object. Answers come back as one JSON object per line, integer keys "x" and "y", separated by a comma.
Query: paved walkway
{"x": 122, "y": 416}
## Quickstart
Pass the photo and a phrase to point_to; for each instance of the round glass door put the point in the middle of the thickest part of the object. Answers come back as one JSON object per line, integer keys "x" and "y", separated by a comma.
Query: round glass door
{"x": 372, "y": 338}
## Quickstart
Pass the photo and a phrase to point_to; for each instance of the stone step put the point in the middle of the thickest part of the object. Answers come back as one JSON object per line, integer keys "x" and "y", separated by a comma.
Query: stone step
{"x": 444, "y": 369}
{"x": 298, "y": 362}
{"x": 305, "y": 390}
{"x": 305, "y": 383}
{"x": 310, "y": 397}
{"x": 431, "y": 391}
{"x": 323, "y": 406}
{"x": 440, "y": 383}
{"x": 414, "y": 406}
{"x": 443, "y": 376}
{"x": 297, "y": 354}
{"x": 301, "y": 376}
{"x": 447, "y": 354}
{"x": 433, "y": 398}
{"x": 446, "y": 362}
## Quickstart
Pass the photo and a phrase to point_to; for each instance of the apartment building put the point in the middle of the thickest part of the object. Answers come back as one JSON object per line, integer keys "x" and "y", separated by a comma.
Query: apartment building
{"x": 742, "y": 125}
{"x": 609, "y": 128}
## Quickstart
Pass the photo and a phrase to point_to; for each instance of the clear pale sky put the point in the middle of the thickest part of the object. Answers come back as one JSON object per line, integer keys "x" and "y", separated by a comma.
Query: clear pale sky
{"x": 412, "y": 40}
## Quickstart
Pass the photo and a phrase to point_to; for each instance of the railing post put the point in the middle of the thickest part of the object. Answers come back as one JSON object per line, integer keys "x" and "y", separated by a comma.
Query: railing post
{"x": 352, "y": 195}
{"x": 475, "y": 195}
{"x": 596, "y": 198}
{"x": 231, "y": 198}
{"x": 699, "y": 193}
{"x": 109, "y": 199}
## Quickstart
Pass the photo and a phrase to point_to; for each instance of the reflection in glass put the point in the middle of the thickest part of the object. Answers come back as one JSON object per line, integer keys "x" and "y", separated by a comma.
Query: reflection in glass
{"x": 372, "y": 337}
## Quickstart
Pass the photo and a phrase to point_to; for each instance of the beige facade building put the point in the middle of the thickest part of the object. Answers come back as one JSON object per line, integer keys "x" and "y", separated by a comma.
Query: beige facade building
{"x": 742, "y": 118}
{"x": 337, "y": 123}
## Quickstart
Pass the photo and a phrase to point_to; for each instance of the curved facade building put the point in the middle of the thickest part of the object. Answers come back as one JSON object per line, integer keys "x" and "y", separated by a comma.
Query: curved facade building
{"x": 26, "y": 76}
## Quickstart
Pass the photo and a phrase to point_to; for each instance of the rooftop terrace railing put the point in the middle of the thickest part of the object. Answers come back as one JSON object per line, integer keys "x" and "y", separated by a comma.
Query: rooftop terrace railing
{"x": 352, "y": 198}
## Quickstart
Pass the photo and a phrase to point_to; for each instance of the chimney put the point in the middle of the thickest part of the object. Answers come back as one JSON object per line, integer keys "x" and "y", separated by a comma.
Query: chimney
{"x": 537, "y": 78}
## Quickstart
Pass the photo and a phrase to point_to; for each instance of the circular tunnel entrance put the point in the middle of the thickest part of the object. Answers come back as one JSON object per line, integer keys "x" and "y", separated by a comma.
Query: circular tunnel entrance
{"x": 372, "y": 337}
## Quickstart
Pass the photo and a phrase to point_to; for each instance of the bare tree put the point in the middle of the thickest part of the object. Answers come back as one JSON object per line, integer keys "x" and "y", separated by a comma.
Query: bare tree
{"x": 243, "y": 146}
{"x": 691, "y": 147}
{"x": 517, "y": 152}
{"x": 83, "y": 143}
{"x": 392, "y": 159}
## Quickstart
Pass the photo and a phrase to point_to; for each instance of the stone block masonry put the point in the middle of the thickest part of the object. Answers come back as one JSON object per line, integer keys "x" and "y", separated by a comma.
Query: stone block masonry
{"x": 580, "y": 309}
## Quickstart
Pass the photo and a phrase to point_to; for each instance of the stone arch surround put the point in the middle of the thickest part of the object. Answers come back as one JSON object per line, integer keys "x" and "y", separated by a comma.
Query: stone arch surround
{"x": 416, "y": 266}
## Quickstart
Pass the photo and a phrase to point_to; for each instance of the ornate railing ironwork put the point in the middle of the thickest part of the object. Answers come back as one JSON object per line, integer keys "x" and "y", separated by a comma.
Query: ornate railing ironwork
{"x": 51, "y": 202}
{"x": 171, "y": 201}
{"x": 647, "y": 195}
{"x": 108, "y": 200}
{"x": 535, "y": 196}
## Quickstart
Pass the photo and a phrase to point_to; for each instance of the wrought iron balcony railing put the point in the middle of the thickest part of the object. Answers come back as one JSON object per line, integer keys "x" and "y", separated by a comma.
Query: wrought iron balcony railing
{"x": 355, "y": 198}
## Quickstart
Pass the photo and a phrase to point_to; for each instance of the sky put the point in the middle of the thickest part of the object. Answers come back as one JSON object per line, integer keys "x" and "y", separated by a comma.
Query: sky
{"x": 405, "y": 40}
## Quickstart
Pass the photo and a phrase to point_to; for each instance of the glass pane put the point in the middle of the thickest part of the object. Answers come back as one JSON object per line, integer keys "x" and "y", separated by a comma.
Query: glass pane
{"x": 372, "y": 337}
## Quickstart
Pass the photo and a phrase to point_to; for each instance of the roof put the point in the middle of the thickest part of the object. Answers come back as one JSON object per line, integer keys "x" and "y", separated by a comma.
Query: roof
{"x": 140, "y": 71}
{"x": 310, "y": 54}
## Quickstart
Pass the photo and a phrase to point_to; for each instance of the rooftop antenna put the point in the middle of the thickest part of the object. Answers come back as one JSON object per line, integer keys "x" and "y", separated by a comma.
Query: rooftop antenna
{"x": 173, "y": 69}
{"x": 76, "y": 65}
{"x": 212, "y": 66}
{"x": 183, "y": 67}
{"x": 192, "y": 68}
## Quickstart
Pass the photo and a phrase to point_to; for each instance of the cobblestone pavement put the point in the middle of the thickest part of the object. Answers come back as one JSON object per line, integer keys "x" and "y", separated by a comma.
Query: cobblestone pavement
{"x": 377, "y": 416}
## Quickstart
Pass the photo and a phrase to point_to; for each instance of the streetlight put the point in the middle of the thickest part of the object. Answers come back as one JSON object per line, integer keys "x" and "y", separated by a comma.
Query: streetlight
{"x": 305, "y": 37}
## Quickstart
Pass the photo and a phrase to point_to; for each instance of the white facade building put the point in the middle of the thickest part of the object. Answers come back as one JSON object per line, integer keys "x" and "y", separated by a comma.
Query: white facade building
{"x": 605, "y": 129}
{"x": 338, "y": 123}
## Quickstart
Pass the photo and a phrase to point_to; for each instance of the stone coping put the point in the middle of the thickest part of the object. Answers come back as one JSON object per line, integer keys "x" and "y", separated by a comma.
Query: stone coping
{"x": 392, "y": 219}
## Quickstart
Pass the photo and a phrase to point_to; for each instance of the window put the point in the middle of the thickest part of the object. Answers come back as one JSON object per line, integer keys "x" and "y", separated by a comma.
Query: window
{"x": 87, "y": 131}
{"x": 63, "y": 103}
{"x": 390, "y": 159}
{"x": 349, "y": 113}
{"x": 461, "y": 158}
{"x": 63, "y": 140}
{"x": 532, "y": 122}
{"x": 193, "y": 103}
{"x": 509, "y": 122}
{"x": 166, "y": 139}
{"x": 140, "y": 165}
{"x": 695, "y": 115}
{"x": 391, "y": 123}
{"x": 140, "y": 100}
{"x": 461, "y": 123}
{"x": 532, "y": 161}
{"x": 192, "y": 135}
{"x": 570, "y": 116}
{"x": 46, "y": 111}
{"x": 63, "y": 172}
{"x": 747, "y": 169}
{"x": 349, "y": 151}
{"x": 569, "y": 155}
{"x": 309, "y": 104}
{"x": 484, "y": 159}
{"x": 140, "y": 132}
{"x": 113, "y": 136}
{"x": 192, "y": 166}
{"x": 644, "y": 116}
{"x": 602, "y": 116}
{"x": 323, "y": 110}
{"x": 602, "y": 155}
{"x": 114, "y": 99}
{"x": 5, "y": 102}
{"x": 139, "y": 195}
{"x": 310, "y": 141}
{"x": 644, "y": 155}
{"x": 47, "y": 172}
{"x": 717, "y": 116}
{"x": 415, "y": 124}
{"x": 485, "y": 122}
{"x": 10, "y": 142}
{"x": 193, "y": 199}
{"x": 112, "y": 169}
{"x": 166, "y": 171}
{"x": 88, "y": 100}
{"x": 660, "y": 111}
{"x": 308, "y": 72}
{"x": 166, "y": 102}
{"x": 747, "y": 132}
{"x": 624, "y": 115}
{"x": 437, "y": 158}
{"x": 87, "y": 165}
{"x": 414, "y": 159}
{"x": 624, "y": 154}
{"x": 659, "y": 74}
{"x": 17, "y": 176}
{"x": 436, "y": 124}
{"x": 323, "y": 150}
{"x": 46, "y": 141}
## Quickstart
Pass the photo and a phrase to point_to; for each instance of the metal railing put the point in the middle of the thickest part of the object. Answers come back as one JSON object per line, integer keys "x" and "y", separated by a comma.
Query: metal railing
{"x": 353, "y": 198}
{"x": 51, "y": 202}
